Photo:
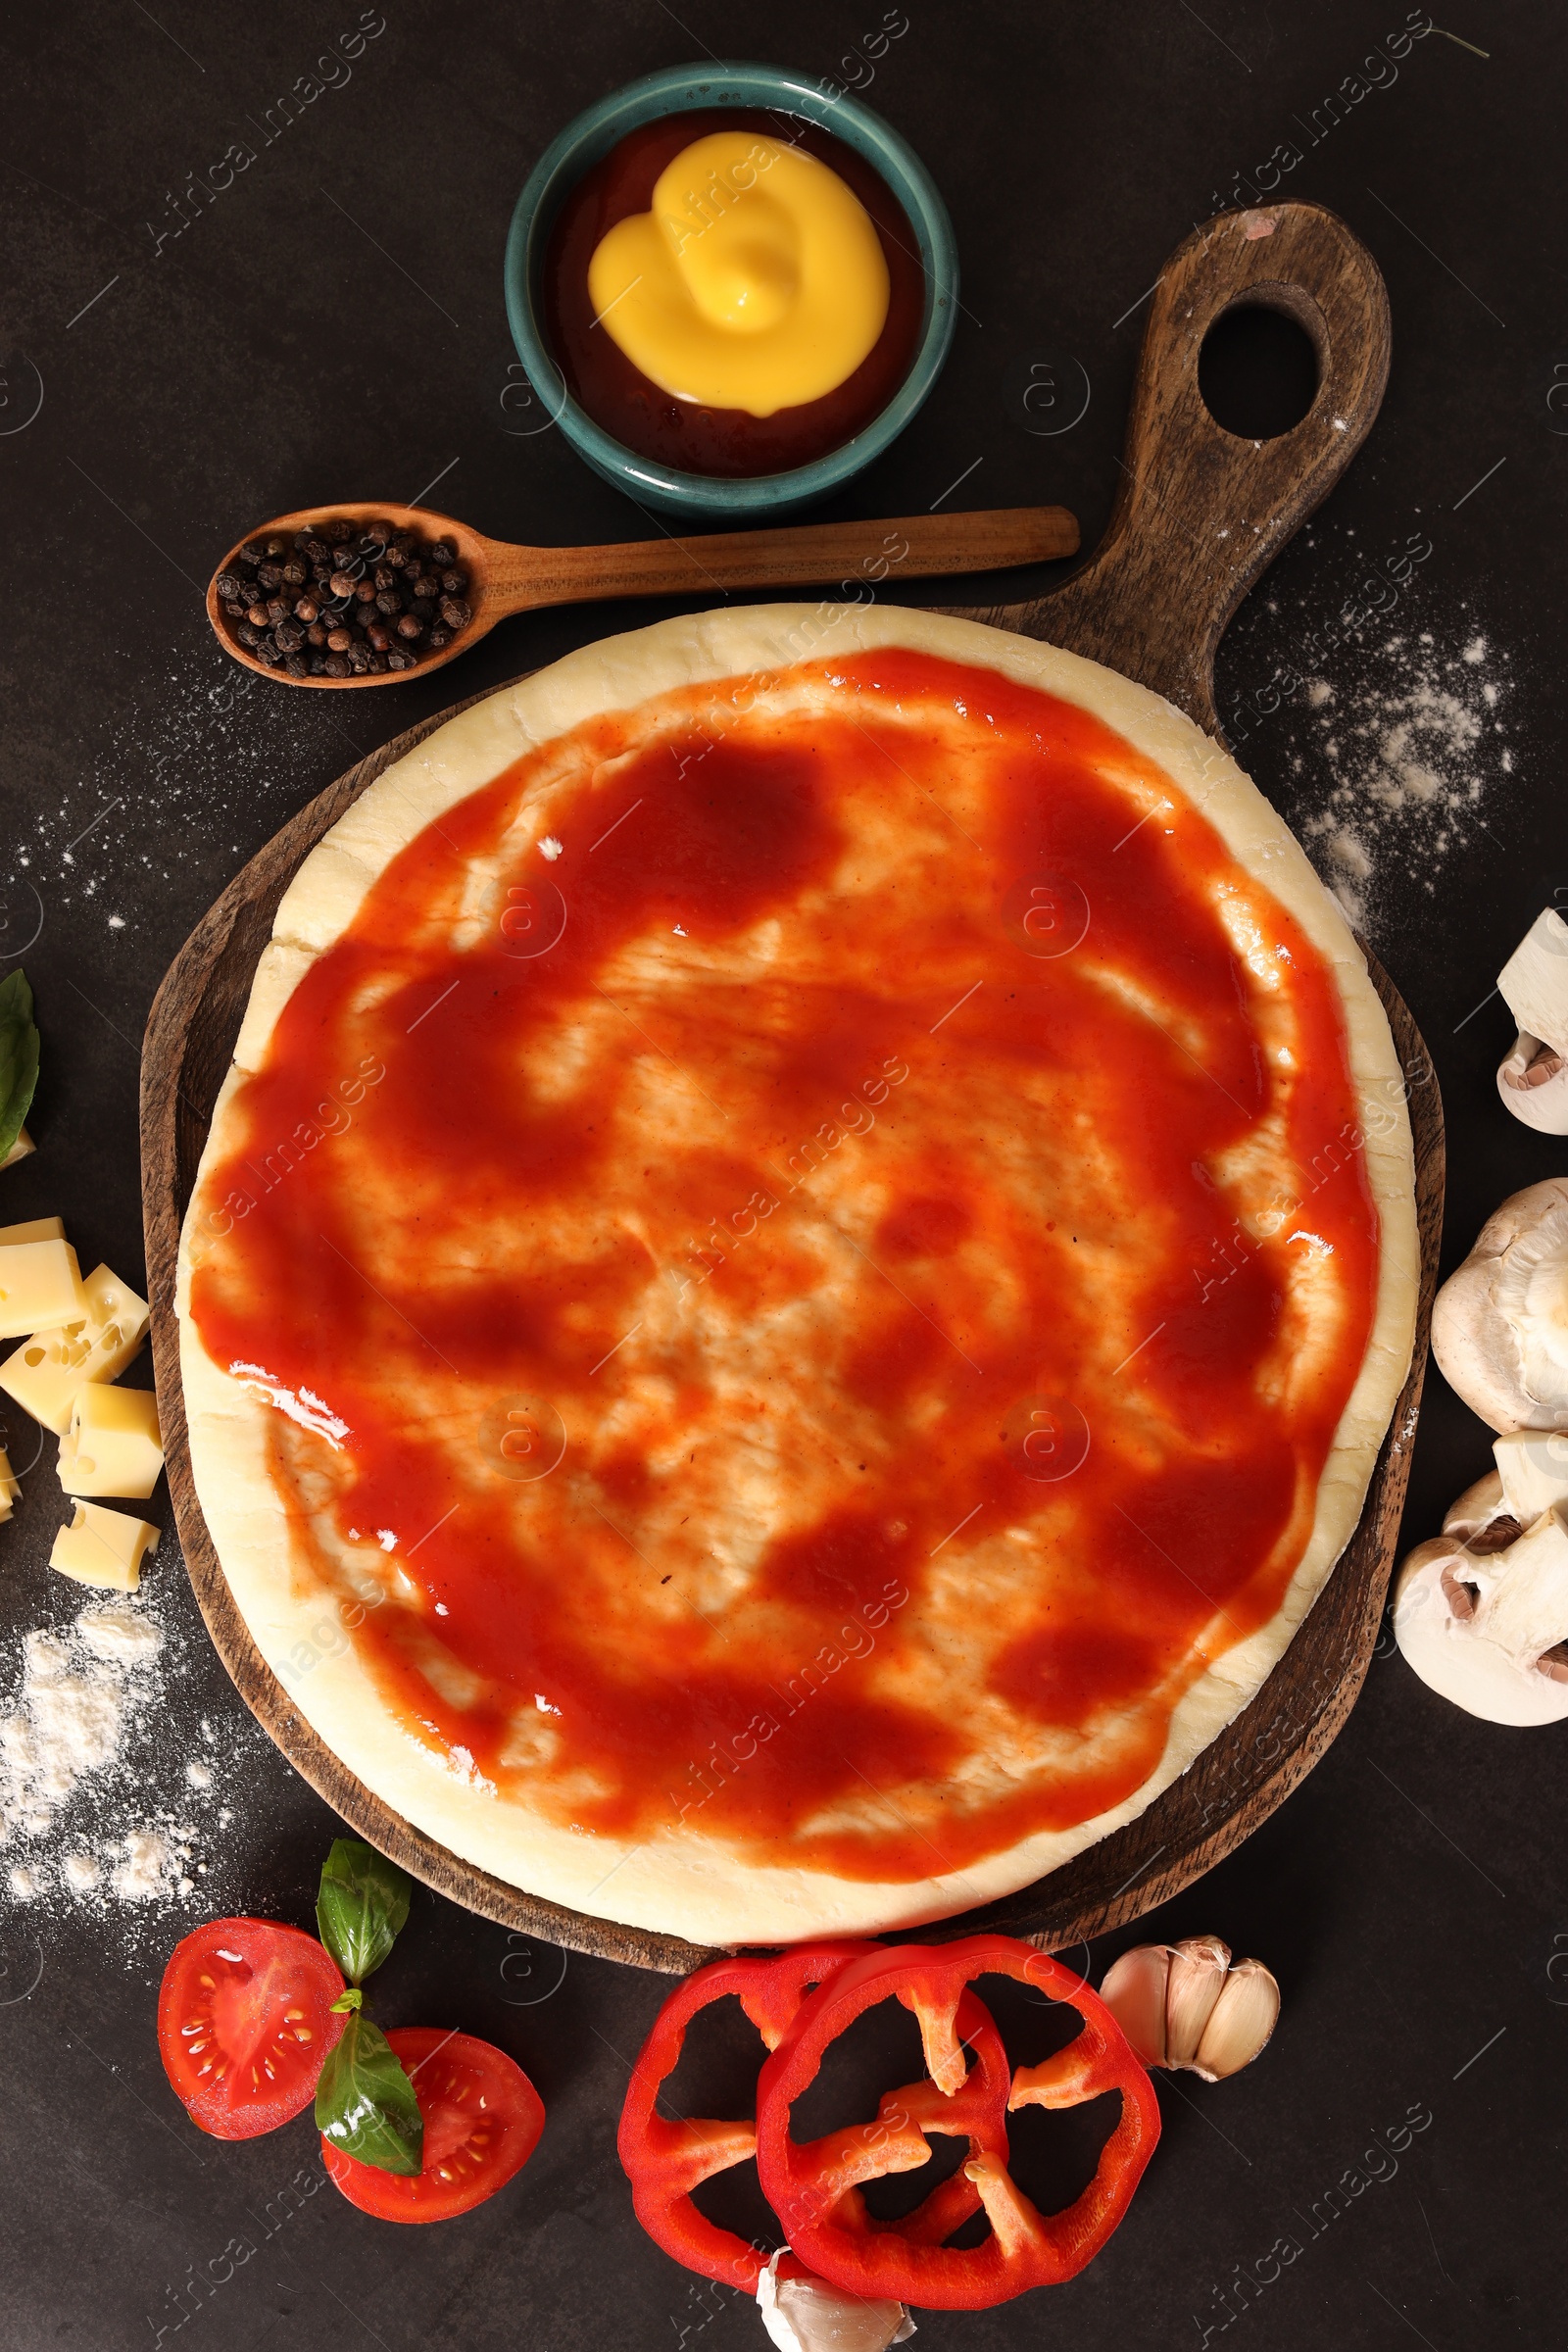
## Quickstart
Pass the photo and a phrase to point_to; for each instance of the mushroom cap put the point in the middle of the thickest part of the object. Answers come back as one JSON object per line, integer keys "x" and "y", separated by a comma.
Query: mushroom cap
{"x": 1499, "y": 1324}
{"x": 1533, "y": 1081}
{"x": 1447, "y": 1650}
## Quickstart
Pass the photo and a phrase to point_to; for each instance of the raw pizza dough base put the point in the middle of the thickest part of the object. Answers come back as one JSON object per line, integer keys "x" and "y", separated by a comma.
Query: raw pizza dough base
{"x": 683, "y": 1883}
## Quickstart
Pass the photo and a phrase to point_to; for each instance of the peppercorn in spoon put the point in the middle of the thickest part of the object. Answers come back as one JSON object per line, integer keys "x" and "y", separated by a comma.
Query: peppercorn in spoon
{"x": 360, "y": 595}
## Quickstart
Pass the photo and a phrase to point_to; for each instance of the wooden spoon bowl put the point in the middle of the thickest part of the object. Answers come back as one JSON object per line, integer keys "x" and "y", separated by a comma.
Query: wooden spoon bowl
{"x": 504, "y": 579}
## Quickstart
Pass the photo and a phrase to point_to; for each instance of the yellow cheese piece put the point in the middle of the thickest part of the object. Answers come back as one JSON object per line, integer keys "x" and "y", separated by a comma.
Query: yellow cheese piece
{"x": 41, "y": 1229}
{"x": 113, "y": 1443}
{"x": 755, "y": 282}
{"x": 45, "y": 1374}
{"x": 113, "y": 1446}
{"x": 103, "y": 1548}
{"x": 40, "y": 1285}
{"x": 10, "y": 1487}
{"x": 19, "y": 1150}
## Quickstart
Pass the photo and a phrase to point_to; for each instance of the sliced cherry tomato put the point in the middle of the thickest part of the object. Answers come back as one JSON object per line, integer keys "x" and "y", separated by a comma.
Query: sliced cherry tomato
{"x": 482, "y": 2121}
{"x": 244, "y": 2022}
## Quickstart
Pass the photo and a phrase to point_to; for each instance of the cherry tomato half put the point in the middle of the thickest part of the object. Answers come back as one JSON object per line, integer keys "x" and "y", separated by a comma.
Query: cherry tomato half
{"x": 244, "y": 2023}
{"x": 482, "y": 2121}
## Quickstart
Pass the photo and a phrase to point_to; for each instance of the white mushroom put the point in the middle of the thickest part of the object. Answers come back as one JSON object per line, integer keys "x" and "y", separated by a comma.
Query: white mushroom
{"x": 1499, "y": 1324}
{"x": 1533, "y": 1079}
{"x": 1482, "y": 1517}
{"x": 1184, "y": 2006}
{"x": 1488, "y": 1628}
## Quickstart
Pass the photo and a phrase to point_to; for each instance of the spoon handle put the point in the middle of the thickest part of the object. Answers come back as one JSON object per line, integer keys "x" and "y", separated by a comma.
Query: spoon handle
{"x": 790, "y": 556}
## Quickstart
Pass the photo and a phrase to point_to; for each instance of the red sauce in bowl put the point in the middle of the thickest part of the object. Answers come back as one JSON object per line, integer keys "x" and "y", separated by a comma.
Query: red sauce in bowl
{"x": 682, "y": 434}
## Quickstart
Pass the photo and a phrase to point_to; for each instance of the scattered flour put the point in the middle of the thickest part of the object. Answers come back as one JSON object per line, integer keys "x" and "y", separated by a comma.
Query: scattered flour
{"x": 77, "y": 1820}
{"x": 1408, "y": 749}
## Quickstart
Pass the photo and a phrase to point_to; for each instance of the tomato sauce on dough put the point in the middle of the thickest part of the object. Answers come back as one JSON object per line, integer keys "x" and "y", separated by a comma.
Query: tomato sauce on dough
{"x": 809, "y": 1242}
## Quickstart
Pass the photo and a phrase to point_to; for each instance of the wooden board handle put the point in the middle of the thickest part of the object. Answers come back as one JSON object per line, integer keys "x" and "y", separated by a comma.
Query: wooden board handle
{"x": 1200, "y": 513}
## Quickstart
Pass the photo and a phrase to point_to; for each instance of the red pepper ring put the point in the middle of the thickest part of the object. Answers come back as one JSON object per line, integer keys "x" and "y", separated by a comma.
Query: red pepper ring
{"x": 663, "y": 2159}
{"x": 811, "y": 2187}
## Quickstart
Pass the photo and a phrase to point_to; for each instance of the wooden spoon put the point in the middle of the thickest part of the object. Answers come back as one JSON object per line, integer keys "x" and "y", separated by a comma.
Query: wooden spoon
{"x": 504, "y": 579}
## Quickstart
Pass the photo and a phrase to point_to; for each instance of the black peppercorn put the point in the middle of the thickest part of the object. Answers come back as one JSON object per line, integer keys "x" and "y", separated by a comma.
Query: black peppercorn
{"x": 345, "y": 599}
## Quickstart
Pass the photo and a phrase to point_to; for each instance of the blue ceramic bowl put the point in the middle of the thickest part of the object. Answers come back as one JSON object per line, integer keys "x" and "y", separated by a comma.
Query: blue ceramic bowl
{"x": 681, "y": 90}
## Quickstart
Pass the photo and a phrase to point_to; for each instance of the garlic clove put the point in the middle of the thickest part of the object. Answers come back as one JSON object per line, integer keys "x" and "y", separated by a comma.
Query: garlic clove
{"x": 1134, "y": 1992}
{"x": 807, "y": 2315}
{"x": 1197, "y": 1975}
{"x": 1240, "y": 2023}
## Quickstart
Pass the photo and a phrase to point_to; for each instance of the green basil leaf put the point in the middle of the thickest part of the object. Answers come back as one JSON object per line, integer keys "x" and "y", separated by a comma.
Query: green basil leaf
{"x": 347, "y": 2002}
{"x": 363, "y": 1903}
{"x": 18, "y": 1057}
{"x": 365, "y": 2102}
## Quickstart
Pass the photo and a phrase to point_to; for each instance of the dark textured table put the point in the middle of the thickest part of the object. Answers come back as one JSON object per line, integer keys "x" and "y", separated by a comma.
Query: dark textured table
{"x": 190, "y": 344}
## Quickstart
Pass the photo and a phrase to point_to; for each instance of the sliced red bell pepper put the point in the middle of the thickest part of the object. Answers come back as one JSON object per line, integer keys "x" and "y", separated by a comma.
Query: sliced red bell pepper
{"x": 665, "y": 2159}
{"x": 814, "y": 2188}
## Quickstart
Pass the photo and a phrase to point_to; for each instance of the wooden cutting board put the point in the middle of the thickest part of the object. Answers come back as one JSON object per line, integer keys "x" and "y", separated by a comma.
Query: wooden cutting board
{"x": 1198, "y": 516}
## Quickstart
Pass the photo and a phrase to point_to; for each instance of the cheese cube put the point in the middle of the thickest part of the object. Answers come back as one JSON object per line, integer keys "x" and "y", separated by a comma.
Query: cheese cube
{"x": 1533, "y": 1464}
{"x": 113, "y": 1445}
{"x": 103, "y": 1548}
{"x": 45, "y": 1374}
{"x": 40, "y": 1285}
{"x": 40, "y": 1229}
{"x": 10, "y": 1487}
{"x": 19, "y": 1150}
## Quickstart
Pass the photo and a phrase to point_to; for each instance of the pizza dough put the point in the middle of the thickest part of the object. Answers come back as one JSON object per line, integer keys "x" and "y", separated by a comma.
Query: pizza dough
{"x": 799, "y": 1273}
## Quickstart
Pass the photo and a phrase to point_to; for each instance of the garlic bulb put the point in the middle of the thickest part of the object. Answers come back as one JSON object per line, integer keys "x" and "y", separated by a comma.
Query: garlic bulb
{"x": 1186, "y": 2006}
